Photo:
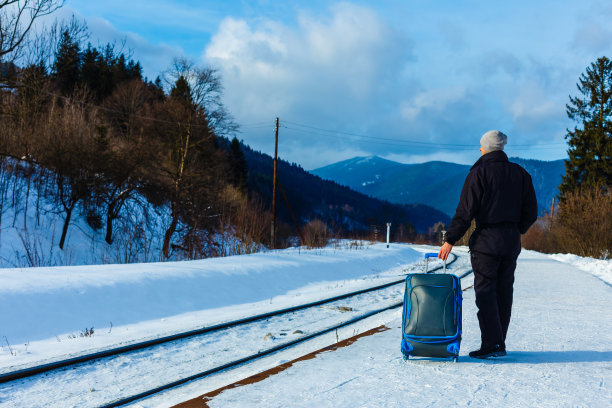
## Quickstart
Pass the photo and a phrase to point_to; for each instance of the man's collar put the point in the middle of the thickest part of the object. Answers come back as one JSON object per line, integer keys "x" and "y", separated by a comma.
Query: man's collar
{"x": 496, "y": 156}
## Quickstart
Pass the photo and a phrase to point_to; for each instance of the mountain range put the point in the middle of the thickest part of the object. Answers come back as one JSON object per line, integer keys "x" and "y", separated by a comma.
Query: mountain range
{"x": 436, "y": 184}
{"x": 337, "y": 205}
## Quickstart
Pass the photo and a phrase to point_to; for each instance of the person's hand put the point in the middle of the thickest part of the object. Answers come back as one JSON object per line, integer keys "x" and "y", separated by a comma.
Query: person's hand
{"x": 444, "y": 251}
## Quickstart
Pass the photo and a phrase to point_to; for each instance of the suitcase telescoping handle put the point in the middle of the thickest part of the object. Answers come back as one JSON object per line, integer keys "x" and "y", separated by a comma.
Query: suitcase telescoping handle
{"x": 432, "y": 255}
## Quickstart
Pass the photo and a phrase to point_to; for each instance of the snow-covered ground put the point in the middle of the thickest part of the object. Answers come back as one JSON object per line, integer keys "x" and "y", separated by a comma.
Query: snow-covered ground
{"x": 598, "y": 267}
{"x": 31, "y": 223}
{"x": 47, "y": 309}
{"x": 560, "y": 339}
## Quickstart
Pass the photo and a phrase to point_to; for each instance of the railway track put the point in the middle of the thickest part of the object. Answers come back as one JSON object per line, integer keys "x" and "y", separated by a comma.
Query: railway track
{"x": 195, "y": 345}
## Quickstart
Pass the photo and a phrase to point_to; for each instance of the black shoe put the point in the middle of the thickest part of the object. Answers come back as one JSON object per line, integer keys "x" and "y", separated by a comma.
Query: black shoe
{"x": 486, "y": 351}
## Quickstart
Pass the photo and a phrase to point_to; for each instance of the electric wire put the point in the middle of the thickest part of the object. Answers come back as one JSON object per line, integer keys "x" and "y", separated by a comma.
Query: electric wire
{"x": 410, "y": 143}
{"x": 316, "y": 130}
{"x": 471, "y": 146}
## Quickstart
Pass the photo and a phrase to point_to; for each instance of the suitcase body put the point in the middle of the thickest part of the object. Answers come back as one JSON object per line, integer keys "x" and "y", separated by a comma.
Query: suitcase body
{"x": 431, "y": 318}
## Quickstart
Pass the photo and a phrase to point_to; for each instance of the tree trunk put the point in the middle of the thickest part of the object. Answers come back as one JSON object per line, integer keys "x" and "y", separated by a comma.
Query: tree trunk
{"x": 65, "y": 228}
{"x": 112, "y": 213}
{"x": 27, "y": 199}
{"x": 109, "y": 227}
{"x": 168, "y": 235}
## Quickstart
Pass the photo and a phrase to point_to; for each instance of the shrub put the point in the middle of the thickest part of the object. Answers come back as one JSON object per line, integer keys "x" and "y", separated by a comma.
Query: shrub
{"x": 316, "y": 234}
{"x": 539, "y": 236}
{"x": 583, "y": 225}
{"x": 94, "y": 220}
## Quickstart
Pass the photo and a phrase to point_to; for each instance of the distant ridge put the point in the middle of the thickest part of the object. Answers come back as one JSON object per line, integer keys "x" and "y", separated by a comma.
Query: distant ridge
{"x": 337, "y": 205}
{"x": 437, "y": 184}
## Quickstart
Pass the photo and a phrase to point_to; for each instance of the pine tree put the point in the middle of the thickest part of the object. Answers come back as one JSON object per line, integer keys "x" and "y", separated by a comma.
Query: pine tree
{"x": 590, "y": 153}
{"x": 91, "y": 71}
{"x": 182, "y": 92}
{"x": 67, "y": 67}
{"x": 239, "y": 165}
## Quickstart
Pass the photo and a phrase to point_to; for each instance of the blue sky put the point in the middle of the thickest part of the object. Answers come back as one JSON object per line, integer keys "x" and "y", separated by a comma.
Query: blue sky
{"x": 406, "y": 80}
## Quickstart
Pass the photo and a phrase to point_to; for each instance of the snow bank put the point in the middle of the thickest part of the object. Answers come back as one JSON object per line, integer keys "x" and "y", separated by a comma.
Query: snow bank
{"x": 602, "y": 268}
{"x": 42, "y": 303}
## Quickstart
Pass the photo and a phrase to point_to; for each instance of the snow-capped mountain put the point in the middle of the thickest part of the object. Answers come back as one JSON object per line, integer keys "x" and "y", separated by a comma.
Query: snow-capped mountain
{"x": 436, "y": 183}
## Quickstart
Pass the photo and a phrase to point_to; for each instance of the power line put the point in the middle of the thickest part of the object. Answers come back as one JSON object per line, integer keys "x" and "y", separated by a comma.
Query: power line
{"x": 413, "y": 144}
{"x": 257, "y": 124}
{"x": 314, "y": 130}
{"x": 337, "y": 132}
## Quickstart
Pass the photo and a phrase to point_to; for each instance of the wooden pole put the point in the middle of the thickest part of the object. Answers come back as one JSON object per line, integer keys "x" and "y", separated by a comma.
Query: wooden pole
{"x": 552, "y": 212}
{"x": 272, "y": 232}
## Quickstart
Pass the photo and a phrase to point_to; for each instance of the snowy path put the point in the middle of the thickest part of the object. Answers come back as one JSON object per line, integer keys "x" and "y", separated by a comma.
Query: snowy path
{"x": 559, "y": 355}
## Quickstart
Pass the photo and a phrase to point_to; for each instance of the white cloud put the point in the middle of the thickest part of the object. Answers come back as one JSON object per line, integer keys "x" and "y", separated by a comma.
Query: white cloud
{"x": 343, "y": 64}
{"x": 453, "y": 34}
{"x": 592, "y": 37}
{"x": 433, "y": 99}
{"x": 533, "y": 105}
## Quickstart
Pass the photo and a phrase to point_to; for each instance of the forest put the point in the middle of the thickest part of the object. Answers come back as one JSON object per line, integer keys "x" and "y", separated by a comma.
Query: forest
{"x": 82, "y": 129}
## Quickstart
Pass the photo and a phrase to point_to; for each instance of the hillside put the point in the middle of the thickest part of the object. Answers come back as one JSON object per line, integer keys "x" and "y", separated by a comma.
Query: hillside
{"x": 436, "y": 184}
{"x": 31, "y": 219}
{"x": 339, "y": 206}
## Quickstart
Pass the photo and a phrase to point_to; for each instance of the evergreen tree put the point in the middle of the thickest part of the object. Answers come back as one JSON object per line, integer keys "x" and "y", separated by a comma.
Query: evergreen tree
{"x": 182, "y": 92}
{"x": 91, "y": 70}
{"x": 590, "y": 152}
{"x": 102, "y": 71}
{"x": 67, "y": 66}
{"x": 238, "y": 165}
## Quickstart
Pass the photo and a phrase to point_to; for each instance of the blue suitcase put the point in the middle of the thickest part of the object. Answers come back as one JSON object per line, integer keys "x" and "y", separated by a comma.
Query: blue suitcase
{"x": 431, "y": 318}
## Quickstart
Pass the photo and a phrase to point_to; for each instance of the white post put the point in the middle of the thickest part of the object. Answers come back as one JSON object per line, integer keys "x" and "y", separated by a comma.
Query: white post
{"x": 388, "y": 229}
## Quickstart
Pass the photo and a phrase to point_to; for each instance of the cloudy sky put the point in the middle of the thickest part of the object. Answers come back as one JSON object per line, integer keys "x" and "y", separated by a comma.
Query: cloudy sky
{"x": 410, "y": 81}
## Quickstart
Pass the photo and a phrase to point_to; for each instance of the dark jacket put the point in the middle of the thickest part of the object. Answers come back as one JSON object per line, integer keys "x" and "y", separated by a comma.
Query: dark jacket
{"x": 500, "y": 196}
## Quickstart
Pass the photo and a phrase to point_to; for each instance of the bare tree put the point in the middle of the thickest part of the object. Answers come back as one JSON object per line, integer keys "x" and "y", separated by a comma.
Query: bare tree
{"x": 190, "y": 167}
{"x": 129, "y": 151}
{"x": 69, "y": 150}
{"x": 16, "y": 20}
{"x": 206, "y": 92}
{"x": 42, "y": 45}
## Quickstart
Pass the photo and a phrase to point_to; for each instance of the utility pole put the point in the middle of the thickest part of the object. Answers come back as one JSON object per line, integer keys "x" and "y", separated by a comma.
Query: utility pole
{"x": 272, "y": 237}
{"x": 552, "y": 214}
{"x": 388, "y": 230}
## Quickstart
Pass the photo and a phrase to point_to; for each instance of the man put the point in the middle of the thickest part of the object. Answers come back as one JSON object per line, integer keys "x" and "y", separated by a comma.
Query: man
{"x": 500, "y": 196}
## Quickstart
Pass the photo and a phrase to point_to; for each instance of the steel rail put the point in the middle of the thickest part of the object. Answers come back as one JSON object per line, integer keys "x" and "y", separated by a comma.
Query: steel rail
{"x": 43, "y": 368}
{"x": 262, "y": 353}
{"x": 31, "y": 371}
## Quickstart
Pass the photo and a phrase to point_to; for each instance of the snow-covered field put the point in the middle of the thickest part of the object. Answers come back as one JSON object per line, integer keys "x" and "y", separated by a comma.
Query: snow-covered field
{"x": 560, "y": 339}
{"x": 47, "y": 309}
{"x": 31, "y": 225}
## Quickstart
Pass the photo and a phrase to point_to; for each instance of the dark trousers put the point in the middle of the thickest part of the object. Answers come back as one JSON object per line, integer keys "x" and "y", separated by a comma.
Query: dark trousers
{"x": 493, "y": 280}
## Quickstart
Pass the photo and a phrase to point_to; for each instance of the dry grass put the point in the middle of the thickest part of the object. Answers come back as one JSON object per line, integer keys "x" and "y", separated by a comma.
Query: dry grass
{"x": 581, "y": 226}
{"x": 316, "y": 234}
